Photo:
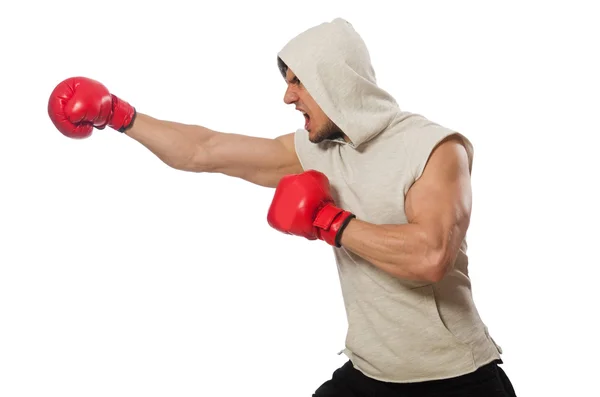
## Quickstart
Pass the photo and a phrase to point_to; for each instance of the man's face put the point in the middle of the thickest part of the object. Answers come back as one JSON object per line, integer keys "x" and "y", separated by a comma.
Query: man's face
{"x": 316, "y": 122}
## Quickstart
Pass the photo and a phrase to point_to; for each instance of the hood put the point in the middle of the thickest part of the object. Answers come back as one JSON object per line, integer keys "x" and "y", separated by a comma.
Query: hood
{"x": 334, "y": 65}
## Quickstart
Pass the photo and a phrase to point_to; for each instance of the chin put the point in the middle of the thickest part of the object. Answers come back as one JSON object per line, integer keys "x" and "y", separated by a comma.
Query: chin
{"x": 315, "y": 138}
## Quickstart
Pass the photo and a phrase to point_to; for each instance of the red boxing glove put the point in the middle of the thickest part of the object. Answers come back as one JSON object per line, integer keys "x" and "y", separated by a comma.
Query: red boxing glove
{"x": 303, "y": 206}
{"x": 79, "y": 104}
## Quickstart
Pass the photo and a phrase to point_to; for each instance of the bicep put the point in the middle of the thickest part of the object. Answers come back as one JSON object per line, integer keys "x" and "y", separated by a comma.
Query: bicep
{"x": 262, "y": 161}
{"x": 440, "y": 200}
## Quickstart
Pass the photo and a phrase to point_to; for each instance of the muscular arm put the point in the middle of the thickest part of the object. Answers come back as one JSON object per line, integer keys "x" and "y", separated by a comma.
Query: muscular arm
{"x": 262, "y": 161}
{"x": 438, "y": 208}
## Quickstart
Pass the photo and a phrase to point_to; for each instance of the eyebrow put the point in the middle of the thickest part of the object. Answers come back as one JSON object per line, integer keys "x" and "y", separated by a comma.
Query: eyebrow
{"x": 293, "y": 80}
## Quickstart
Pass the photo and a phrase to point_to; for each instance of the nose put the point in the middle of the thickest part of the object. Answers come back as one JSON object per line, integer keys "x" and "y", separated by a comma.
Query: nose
{"x": 290, "y": 96}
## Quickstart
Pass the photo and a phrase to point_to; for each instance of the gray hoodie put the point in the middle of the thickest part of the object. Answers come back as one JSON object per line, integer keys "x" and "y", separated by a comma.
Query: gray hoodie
{"x": 398, "y": 330}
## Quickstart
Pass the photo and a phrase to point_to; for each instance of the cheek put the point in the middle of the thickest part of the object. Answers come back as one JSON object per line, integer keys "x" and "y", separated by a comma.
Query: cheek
{"x": 320, "y": 117}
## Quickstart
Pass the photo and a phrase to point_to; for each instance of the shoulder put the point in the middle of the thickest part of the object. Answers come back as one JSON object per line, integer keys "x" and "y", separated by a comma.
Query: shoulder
{"x": 453, "y": 149}
{"x": 423, "y": 138}
{"x": 450, "y": 160}
{"x": 425, "y": 142}
{"x": 288, "y": 141}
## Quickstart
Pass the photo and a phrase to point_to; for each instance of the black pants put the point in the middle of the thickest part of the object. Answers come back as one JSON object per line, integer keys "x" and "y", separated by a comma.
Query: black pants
{"x": 488, "y": 381}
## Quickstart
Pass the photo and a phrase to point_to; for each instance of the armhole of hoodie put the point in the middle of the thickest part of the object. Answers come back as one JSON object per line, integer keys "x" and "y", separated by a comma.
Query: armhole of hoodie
{"x": 299, "y": 145}
{"x": 420, "y": 145}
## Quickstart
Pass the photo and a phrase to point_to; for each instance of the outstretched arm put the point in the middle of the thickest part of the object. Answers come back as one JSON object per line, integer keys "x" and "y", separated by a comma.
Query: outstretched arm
{"x": 194, "y": 148}
{"x": 78, "y": 105}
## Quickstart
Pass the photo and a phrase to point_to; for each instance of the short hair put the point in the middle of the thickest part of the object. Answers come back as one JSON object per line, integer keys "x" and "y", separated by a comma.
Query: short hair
{"x": 283, "y": 68}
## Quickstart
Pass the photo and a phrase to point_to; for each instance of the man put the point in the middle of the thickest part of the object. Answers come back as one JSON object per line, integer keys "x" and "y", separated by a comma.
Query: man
{"x": 388, "y": 189}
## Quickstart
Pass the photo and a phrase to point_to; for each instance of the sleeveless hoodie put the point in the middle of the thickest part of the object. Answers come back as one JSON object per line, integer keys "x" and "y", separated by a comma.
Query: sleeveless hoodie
{"x": 398, "y": 330}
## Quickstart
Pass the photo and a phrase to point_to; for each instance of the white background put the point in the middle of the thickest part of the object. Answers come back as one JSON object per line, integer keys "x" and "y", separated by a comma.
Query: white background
{"x": 120, "y": 276}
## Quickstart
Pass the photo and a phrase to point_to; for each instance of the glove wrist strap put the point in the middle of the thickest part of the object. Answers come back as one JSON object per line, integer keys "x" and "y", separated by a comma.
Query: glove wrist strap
{"x": 123, "y": 114}
{"x": 331, "y": 222}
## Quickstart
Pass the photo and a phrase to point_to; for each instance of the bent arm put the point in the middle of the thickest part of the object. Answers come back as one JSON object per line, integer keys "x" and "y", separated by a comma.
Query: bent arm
{"x": 438, "y": 208}
{"x": 194, "y": 148}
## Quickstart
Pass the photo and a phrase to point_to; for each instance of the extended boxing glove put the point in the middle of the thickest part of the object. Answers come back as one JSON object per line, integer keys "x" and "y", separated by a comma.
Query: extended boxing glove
{"x": 78, "y": 104}
{"x": 303, "y": 206}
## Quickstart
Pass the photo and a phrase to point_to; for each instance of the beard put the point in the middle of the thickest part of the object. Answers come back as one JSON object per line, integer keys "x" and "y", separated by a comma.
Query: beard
{"x": 328, "y": 131}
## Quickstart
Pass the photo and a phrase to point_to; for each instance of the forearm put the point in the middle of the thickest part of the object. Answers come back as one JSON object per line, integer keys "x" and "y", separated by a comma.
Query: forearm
{"x": 177, "y": 145}
{"x": 404, "y": 251}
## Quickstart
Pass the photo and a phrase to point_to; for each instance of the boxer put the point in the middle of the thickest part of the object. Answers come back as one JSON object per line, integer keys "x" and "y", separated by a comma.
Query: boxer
{"x": 387, "y": 189}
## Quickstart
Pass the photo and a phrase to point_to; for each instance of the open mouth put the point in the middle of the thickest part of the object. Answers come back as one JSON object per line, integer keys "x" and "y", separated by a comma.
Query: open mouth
{"x": 306, "y": 121}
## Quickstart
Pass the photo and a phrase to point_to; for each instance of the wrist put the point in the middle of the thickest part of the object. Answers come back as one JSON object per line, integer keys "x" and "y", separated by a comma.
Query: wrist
{"x": 343, "y": 223}
{"x": 123, "y": 114}
{"x": 331, "y": 222}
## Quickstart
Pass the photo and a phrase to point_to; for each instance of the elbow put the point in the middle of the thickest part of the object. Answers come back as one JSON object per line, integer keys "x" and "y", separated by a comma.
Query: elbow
{"x": 441, "y": 253}
{"x": 435, "y": 274}
{"x": 436, "y": 265}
